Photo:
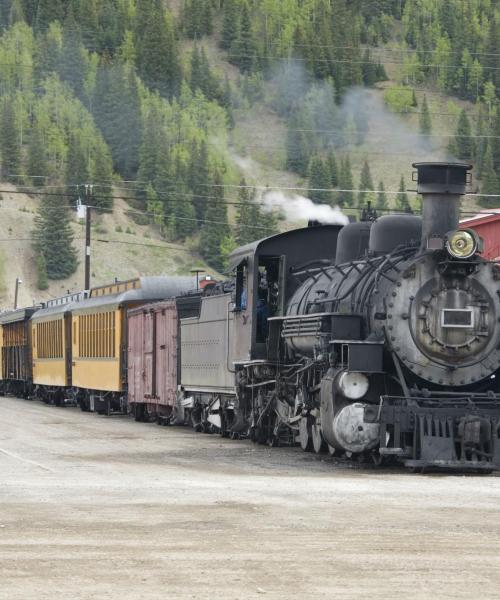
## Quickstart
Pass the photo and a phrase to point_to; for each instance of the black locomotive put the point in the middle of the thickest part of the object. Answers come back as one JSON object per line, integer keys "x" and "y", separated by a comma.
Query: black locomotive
{"x": 385, "y": 343}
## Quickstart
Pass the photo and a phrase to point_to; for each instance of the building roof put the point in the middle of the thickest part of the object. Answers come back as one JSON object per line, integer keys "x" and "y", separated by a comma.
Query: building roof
{"x": 16, "y": 316}
{"x": 482, "y": 218}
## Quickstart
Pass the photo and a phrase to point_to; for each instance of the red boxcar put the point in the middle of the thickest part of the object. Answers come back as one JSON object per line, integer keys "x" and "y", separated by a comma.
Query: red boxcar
{"x": 152, "y": 361}
{"x": 487, "y": 226}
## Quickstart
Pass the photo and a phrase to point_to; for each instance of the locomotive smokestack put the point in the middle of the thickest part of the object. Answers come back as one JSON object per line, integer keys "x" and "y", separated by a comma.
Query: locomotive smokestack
{"x": 441, "y": 186}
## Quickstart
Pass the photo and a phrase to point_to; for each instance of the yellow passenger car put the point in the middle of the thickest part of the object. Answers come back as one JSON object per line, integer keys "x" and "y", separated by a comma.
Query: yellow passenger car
{"x": 99, "y": 338}
{"x": 15, "y": 350}
{"x": 51, "y": 348}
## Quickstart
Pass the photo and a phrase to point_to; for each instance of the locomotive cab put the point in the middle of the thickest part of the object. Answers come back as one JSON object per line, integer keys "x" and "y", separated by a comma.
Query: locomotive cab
{"x": 266, "y": 276}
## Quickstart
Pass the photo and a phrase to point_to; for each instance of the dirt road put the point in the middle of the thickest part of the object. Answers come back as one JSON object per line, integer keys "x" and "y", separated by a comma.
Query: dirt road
{"x": 96, "y": 508}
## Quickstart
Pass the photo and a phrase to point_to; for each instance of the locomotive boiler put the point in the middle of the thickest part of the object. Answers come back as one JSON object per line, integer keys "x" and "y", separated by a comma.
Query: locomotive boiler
{"x": 388, "y": 349}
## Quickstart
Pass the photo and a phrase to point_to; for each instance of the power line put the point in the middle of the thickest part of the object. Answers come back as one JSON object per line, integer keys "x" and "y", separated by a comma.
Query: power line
{"x": 320, "y": 60}
{"x": 360, "y": 62}
{"x": 165, "y": 245}
{"x": 376, "y": 49}
{"x": 237, "y": 187}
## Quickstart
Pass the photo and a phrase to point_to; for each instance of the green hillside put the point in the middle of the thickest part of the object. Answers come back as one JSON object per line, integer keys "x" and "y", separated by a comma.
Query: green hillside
{"x": 174, "y": 110}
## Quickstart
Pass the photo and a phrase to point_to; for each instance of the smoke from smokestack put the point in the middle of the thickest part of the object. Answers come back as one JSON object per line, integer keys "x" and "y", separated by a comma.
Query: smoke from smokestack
{"x": 297, "y": 208}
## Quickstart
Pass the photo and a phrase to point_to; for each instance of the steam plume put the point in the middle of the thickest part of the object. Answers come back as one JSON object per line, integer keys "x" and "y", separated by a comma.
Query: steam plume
{"x": 298, "y": 208}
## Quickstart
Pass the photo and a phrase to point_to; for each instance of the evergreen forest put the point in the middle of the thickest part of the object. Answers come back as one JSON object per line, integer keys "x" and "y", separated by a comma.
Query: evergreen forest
{"x": 151, "y": 101}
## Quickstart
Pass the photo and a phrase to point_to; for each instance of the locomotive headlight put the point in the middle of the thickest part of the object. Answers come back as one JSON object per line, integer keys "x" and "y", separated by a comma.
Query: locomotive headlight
{"x": 353, "y": 385}
{"x": 462, "y": 244}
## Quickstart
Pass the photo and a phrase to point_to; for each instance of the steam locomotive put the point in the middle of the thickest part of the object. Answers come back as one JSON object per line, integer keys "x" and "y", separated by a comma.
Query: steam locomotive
{"x": 377, "y": 340}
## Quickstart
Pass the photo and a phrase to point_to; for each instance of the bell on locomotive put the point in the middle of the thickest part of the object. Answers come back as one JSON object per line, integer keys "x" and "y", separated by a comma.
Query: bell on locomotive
{"x": 406, "y": 329}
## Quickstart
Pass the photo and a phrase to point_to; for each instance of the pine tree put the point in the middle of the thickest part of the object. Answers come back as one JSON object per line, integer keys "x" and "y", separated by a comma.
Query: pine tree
{"x": 230, "y": 24}
{"x": 267, "y": 222}
{"x": 48, "y": 54}
{"x": 366, "y": 183}
{"x": 4, "y": 13}
{"x": 9, "y": 140}
{"x": 382, "y": 202}
{"x": 182, "y": 221}
{"x": 183, "y": 218}
{"x": 42, "y": 282}
{"x": 216, "y": 227}
{"x": 494, "y": 142}
{"x": 402, "y": 201}
{"x": 243, "y": 48}
{"x": 490, "y": 181}
{"x": 199, "y": 176}
{"x": 201, "y": 77}
{"x": 297, "y": 148}
{"x": 53, "y": 237}
{"x": 462, "y": 145}
{"x": 381, "y": 74}
{"x": 369, "y": 69}
{"x": 154, "y": 206}
{"x": 110, "y": 33}
{"x": 196, "y": 19}
{"x": 46, "y": 12}
{"x": 333, "y": 171}
{"x": 72, "y": 59}
{"x": 481, "y": 142}
{"x": 246, "y": 216}
{"x": 319, "y": 181}
{"x": 226, "y": 101}
{"x": 90, "y": 21}
{"x": 190, "y": 19}
{"x": 414, "y": 101}
{"x": 117, "y": 112}
{"x": 149, "y": 150}
{"x": 195, "y": 74}
{"x": 37, "y": 159}
{"x": 210, "y": 85}
{"x": 127, "y": 157}
{"x": 164, "y": 182}
{"x": 346, "y": 183}
{"x": 16, "y": 13}
{"x": 425, "y": 118}
{"x": 206, "y": 19}
{"x": 158, "y": 60}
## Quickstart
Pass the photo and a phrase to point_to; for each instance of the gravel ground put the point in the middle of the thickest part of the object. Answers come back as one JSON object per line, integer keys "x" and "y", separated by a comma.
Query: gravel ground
{"x": 96, "y": 508}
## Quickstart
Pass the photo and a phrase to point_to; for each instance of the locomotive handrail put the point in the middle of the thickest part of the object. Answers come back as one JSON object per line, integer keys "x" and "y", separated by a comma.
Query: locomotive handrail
{"x": 303, "y": 267}
{"x": 307, "y": 316}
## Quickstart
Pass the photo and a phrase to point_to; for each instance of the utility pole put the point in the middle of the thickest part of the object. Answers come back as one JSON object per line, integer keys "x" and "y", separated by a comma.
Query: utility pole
{"x": 89, "y": 192}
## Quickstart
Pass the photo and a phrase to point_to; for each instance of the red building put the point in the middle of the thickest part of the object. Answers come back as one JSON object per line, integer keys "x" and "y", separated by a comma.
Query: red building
{"x": 487, "y": 226}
